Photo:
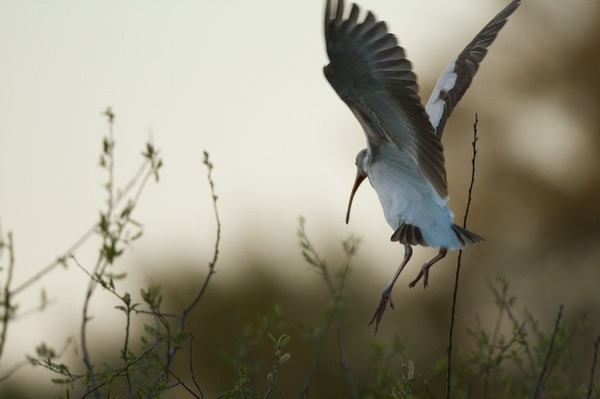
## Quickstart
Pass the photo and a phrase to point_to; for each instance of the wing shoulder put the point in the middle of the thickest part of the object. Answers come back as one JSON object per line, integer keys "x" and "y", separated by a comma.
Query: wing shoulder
{"x": 371, "y": 74}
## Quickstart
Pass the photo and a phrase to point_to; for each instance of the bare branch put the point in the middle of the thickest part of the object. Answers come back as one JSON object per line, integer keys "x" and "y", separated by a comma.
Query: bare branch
{"x": 502, "y": 302}
{"x": 345, "y": 365}
{"x": 592, "y": 371}
{"x": 7, "y": 294}
{"x": 213, "y": 262}
{"x": 96, "y": 389}
{"x": 540, "y": 381}
{"x": 211, "y": 265}
{"x": 180, "y": 382}
{"x": 190, "y": 357}
{"x": 148, "y": 163}
{"x": 60, "y": 260}
{"x": 113, "y": 225}
{"x": 337, "y": 315}
{"x": 16, "y": 367}
{"x": 458, "y": 265}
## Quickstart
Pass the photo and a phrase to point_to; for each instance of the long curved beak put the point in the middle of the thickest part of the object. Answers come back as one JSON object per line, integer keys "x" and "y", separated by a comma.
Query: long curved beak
{"x": 359, "y": 179}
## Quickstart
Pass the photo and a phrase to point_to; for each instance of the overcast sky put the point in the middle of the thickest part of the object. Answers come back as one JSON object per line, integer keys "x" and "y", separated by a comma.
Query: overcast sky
{"x": 241, "y": 79}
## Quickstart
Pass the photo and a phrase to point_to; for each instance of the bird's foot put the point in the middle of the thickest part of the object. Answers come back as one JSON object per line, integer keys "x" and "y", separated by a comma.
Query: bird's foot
{"x": 424, "y": 273}
{"x": 425, "y": 269}
{"x": 386, "y": 296}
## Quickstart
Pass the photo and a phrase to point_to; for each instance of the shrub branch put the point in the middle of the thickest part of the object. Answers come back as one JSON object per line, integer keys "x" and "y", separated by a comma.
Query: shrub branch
{"x": 458, "y": 265}
{"x": 539, "y": 386}
{"x": 6, "y": 303}
{"x": 593, "y": 369}
{"x": 335, "y": 313}
{"x": 182, "y": 318}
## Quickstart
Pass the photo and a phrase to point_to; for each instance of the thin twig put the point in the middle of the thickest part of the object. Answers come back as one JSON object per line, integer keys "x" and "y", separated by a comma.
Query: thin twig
{"x": 7, "y": 301}
{"x": 83, "y": 334}
{"x": 109, "y": 149}
{"x": 153, "y": 313}
{"x": 458, "y": 265}
{"x": 16, "y": 367}
{"x": 515, "y": 322}
{"x": 180, "y": 382}
{"x": 345, "y": 365}
{"x": 592, "y": 371}
{"x": 58, "y": 261}
{"x": 2, "y": 243}
{"x": 473, "y": 161}
{"x": 211, "y": 265}
{"x": 191, "y": 343}
{"x": 318, "y": 340}
{"x": 122, "y": 194}
{"x": 502, "y": 305}
{"x": 110, "y": 239}
{"x": 213, "y": 262}
{"x": 540, "y": 381}
{"x": 272, "y": 380}
{"x": 96, "y": 391}
{"x": 313, "y": 258}
{"x": 83, "y": 238}
{"x": 491, "y": 348}
{"x": 125, "y": 353}
{"x": 126, "y": 299}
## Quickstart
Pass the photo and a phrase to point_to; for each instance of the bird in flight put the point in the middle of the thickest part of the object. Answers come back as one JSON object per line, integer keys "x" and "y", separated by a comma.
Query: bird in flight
{"x": 404, "y": 158}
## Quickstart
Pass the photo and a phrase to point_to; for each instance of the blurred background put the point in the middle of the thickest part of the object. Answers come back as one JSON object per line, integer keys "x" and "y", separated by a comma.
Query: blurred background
{"x": 243, "y": 80}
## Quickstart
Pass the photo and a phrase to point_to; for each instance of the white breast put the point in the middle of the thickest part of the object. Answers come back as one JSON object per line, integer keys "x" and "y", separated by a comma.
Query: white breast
{"x": 407, "y": 197}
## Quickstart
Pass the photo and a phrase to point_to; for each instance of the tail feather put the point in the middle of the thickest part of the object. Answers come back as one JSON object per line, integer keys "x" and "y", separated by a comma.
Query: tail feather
{"x": 465, "y": 236}
{"x": 409, "y": 234}
{"x": 412, "y": 235}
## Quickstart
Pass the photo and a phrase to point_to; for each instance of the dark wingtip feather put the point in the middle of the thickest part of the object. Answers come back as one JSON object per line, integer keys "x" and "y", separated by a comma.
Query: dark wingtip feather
{"x": 465, "y": 236}
{"x": 468, "y": 61}
{"x": 409, "y": 234}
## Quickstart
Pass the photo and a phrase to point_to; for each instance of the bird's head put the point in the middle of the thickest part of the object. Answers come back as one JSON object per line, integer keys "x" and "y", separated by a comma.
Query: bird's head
{"x": 361, "y": 174}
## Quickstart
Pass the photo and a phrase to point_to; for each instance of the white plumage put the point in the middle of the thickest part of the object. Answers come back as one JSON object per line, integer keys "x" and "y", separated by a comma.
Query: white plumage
{"x": 406, "y": 197}
{"x": 436, "y": 104}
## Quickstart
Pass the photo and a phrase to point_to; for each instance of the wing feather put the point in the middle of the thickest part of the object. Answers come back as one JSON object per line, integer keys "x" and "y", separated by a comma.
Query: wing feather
{"x": 458, "y": 75}
{"x": 370, "y": 73}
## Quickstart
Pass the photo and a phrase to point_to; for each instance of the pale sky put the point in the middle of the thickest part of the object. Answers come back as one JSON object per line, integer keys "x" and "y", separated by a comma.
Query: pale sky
{"x": 241, "y": 79}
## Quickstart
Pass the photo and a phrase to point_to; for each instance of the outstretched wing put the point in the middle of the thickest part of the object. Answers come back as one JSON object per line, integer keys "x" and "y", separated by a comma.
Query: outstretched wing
{"x": 370, "y": 73}
{"x": 458, "y": 75}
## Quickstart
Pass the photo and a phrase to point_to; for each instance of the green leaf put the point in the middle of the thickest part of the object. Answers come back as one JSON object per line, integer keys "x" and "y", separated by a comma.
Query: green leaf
{"x": 284, "y": 358}
{"x": 283, "y": 340}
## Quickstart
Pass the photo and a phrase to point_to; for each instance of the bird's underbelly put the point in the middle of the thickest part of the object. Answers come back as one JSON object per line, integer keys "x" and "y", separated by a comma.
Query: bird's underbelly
{"x": 407, "y": 197}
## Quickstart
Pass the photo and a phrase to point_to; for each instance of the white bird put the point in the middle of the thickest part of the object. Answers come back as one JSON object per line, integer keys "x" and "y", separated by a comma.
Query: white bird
{"x": 404, "y": 158}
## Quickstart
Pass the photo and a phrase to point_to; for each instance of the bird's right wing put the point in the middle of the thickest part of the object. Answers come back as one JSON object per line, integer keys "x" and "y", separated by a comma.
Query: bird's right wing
{"x": 458, "y": 75}
{"x": 371, "y": 74}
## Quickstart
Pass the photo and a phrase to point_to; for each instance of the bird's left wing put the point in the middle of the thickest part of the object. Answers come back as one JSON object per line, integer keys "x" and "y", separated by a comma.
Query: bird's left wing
{"x": 458, "y": 75}
{"x": 371, "y": 74}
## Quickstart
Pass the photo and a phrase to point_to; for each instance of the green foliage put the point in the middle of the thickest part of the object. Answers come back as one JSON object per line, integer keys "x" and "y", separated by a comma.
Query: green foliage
{"x": 152, "y": 296}
{"x": 243, "y": 389}
{"x": 254, "y": 372}
{"x": 524, "y": 361}
{"x": 393, "y": 373}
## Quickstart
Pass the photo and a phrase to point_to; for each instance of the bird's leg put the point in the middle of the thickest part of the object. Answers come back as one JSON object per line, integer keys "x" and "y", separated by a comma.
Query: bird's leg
{"x": 386, "y": 294}
{"x": 425, "y": 269}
